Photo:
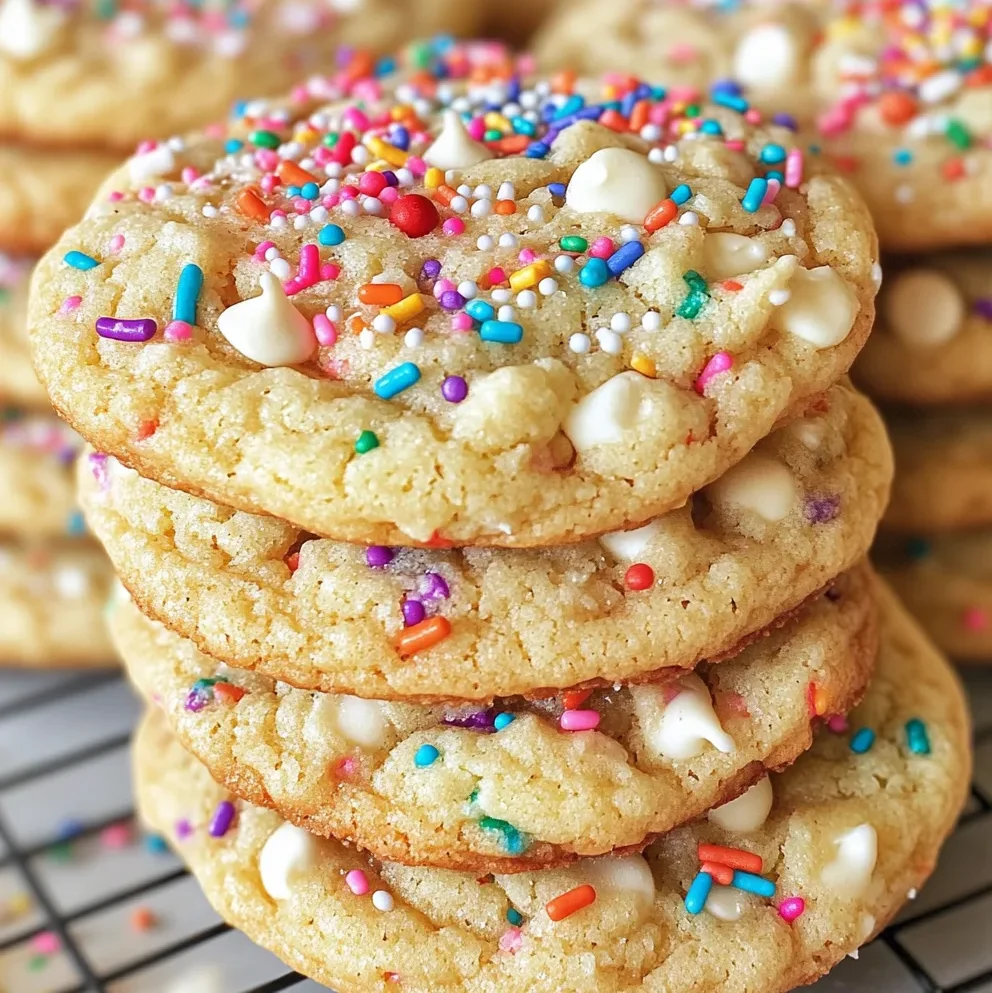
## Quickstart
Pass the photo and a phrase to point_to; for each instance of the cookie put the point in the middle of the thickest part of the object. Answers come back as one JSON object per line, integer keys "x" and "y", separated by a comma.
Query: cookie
{"x": 851, "y": 833}
{"x": 931, "y": 342}
{"x": 519, "y": 785}
{"x": 45, "y": 190}
{"x": 478, "y": 623}
{"x": 946, "y": 581}
{"x": 896, "y": 94}
{"x": 115, "y": 74}
{"x": 18, "y": 383}
{"x": 51, "y": 606}
{"x": 334, "y": 372}
{"x": 943, "y": 470}
{"x": 37, "y": 491}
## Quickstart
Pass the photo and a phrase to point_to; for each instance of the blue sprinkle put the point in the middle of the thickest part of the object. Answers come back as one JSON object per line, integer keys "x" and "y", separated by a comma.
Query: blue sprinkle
{"x": 80, "y": 260}
{"x": 187, "y": 294}
{"x": 775, "y": 174}
{"x": 396, "y": 381}
{"x": 627, "y": 104}
{"x": 710, "y": 126}
{"x": 862, "y": 741}
{"x": 479, "y": 310}
{"x": 750, "y": 883}
{"x": 695, "y": 899}
{"x": 557, "y": 189}
{"x": 331, "y": 234}
{"x": 503, "y": 332}
{"x": 232, "y": 145}
{"x": 755, "y": 194}
{"x": 725, "y": 87}
{"x": 594, "y": 273}
{"x": 514, "y": 841}
{"x": 155, "y": 844}
{"x": 292, "y": 191}
{"x": 624, "y": 257}
{"x": 730, "y": 100}
{"x": 572, "y": 105}
{"x": 75, "y": 525}
{"x": 514, "y": 917}
{"x": 310, "y": 191}
{"x": 426, "y": 755}
{"x": 385, "y": 66}
{"x": 773, "y": 153}
{"x": 503, "y": 720}
{"x": 522, "y": 126}
{"x": 537, "y": 150}
{"x": 680, "y": 194}
{"x": 902, "y": 157}
{"x": 917, "y": 737}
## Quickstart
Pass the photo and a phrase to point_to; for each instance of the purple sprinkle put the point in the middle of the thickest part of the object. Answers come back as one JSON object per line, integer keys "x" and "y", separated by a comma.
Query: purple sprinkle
{"x": 452, "y": 300}
{"x": 480, "y": 720}
{"x": 222, "y": 820}
{"x": 119, "y": 330}
{"x": 378, "y": 556}
{"x": 431, "y": 269}
{"x": 183, "y": 829}
{"x": 820, "y": 510}
{"x": 983, "y": 307}
{"x": 434, "y": 587}
{"x": 413, "y": 612}
{"x": 197, "y": 698}
{"x": 454, "y": 389}
{"x": 99, "y": 468}
{"x": 786, "y": 121}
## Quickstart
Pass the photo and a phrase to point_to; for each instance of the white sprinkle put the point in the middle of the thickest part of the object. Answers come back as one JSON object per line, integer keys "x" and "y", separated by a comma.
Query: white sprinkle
{"x": 527, "y": 299}
{"x": 300, "y": 222}
{"x": 483, "y": 192}
{"x": 564, "y": 264}
{"x": 351, "y": 207}
{"x": 404, "y": 177}
{"x": 671, "y": 153}
{"x": 628, "y": 233}
{"x": 656, "y": 156}
{"x": 579, "y": 343}
{"x": 468, "y": 289}
{"x": 506, "y": 313}
{"x": 536, "y": 214}
{"x": 459, "y": 204}
{"x": 547, "y": 287}
{"x": 360, "y": 155}
{"x": 414, "y": 338}
{"x": 501, "y": 295}
{"x": 777, "y": 297}
{"x": 609, "y": 341}
{"x": 278, "y": 223}
{"x": 690, "y": 218}
{"x": 374, "y": 206}
{"x": 650, "y": 132}
{"x": 384, "y": 324}
{"x": 506, "y": 192}
{"x": 464, "y": 190}
{"x": 485, "y": 243}
{"x": 507, "y": 240}
{"x": 788, "y": 228}
{"x": 319, "y": 214}
{"x": 651, "y": 321}
{"x": 367, "y": 338}
{"x": 382, "y": 900}
{"x": 333, "y": 313}
{"x": 482, "y": 208}
{"x": 272, "y": 253}
{"x": 280, "y": 268}
{"x": 209, "y": 210}
{"x": 876, "y": 274}
{"x": 904, "y": 193}
{"x": 620, "y": 323}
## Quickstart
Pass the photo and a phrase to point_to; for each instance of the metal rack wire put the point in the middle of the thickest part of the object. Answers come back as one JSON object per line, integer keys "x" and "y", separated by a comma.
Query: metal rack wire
{"x": 942, "y": 944}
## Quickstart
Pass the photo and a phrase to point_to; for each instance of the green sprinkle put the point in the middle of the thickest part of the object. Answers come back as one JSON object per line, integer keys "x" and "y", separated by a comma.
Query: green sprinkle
{"x": 958, "y": 134}
{"x": 573, "y": 243}
{"x": 697, "y": 297}
{"x": 492, "y": 135}
{"x": 37, "y": 962}
{"x": 330, "y": 140}
{"x": 515, "y": 842}
{"x": 265, "y": 139}
{"x": 366, "y": 442}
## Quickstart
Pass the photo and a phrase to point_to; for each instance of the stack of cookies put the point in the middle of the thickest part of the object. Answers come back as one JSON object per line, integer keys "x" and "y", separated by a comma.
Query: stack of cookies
{"x": 477, "y": 455}
{"x": 897, "y": 95}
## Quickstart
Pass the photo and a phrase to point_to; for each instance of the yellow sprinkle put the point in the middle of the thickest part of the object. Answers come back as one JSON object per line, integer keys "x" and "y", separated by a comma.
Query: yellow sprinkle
{"x": 529, "y": 275}
{"x": 378, "y": 165}
{"x": 305, "y": 135}
{"x": 399, "y": 112}
{"x": 383, "y": 150}
{"x": 433, "y": 178}
{"x": 408, "y": 308}
{"x": 644, "y": 365}
{"x": 19, "y": 904}
{"x": 496, "y": 121}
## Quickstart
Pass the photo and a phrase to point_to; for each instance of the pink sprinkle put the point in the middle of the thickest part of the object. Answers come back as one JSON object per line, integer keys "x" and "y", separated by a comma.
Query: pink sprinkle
{"x": 356, "y": 119}
{"x": 262, "y": 249}
{"x": 496, "y": 276}
{"x": 177, "y": 331}
{"x": 735, "y": 144}
{"x": 416, "y": 165}
{"x": 330, "y": 270}
{"x": 461, "y": 322}
{"x": 266, "y": 159}
{"x": 476, "y": 129}
{"x": 837, "y": 723}
{"x": 116, "y": 836}
{"x": 298, "y": 94}
{"x": 46, "y": 943}
{"x": 772, "y": 191}
{"x": 268, "y": 183}
{"x": 975, "y": 619}
{"x": 794, "y": 168}
{"x": 453, "y": 226}
{"x": 146, "y": 194}
{"x": 116, "y": 196}
{"x": 322, "y": 155}
{"x": 117, "y": 242}
{"x": 347, "y": 193}
{"x": 346, "y": 768}
{"x": 301, "y": 206}
{"x": 602, "y": 248}
{"x": 527, "y": 256}
{"x": 443, "y": 286}
{"x": 752, "y": 115}
{"x": 681, "y": 51}
{"x": 389, "y": 195}
{"x": 511, "y": 940}
{"x": 324, "y": 329}
{"x": 367, "y": 89}
{"x": 357, "y": 882}
{"x": 189, "y": 174}
{"x": 720, "y": 362}
{"x": 69, "y": 304}
{"x": 791, "y": 908}
{"x": 580, "y": 720}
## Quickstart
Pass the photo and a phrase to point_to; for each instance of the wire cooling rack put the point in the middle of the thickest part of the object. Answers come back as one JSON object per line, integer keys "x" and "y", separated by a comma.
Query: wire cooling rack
{"x": 88, "y": 904}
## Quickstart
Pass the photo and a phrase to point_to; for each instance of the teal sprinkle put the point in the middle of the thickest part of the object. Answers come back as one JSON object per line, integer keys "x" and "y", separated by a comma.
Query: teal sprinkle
{"x": 680, "y": 194}
{"x": 862, "y": 741}
{"x": 310, "y": 191}
{"x": 775, "y": 174}
{"x": 426, "y": 755}
{"x": 917, "y": 548}
{"x": 75, "y": 525}
{"x": 503, "y": 720}
{"x": 750, "y": 883}
{"x": 917, "y": 737}
{"x": 515, "y": 842}
{"x": 697, "y": 297}
{"x": 594, "y": 273}
{"x": 331, "y": 235}
{"x": 187, "y": 294}
{"x": 80, "y": 260}
{"x": 902, "y": 156}
{"x": 695, "y": 898}
{"x": 755, "y": 194}
{"x": 514, "y": 917}
{"x": 474, "y": 795}
{"x": 710, "y": 126}
{"x": 772, "y": 154}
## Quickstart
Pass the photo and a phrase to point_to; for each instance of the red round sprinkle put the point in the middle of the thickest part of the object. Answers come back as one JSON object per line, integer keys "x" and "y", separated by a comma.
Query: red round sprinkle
{"x": 639, "y": 577}
{"x": 414, "y": 215}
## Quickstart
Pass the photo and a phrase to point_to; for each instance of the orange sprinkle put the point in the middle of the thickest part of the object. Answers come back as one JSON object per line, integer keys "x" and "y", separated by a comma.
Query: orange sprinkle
{"x": 735, "y": 858}
{"x": 445, "y": 194}
{"x": 639, "y": 115}
{"x": 573, "y": 699}
{"x": 146, "y": 429}
{"x": 897, "y": 107}
{"x": 615, "y": 121}
{"x": 142, "y": 919}
{"x": 423, "y": 635}
{"x": 953, "y": 168}
{"x": 252, "y": 205}
{"x": 564, "y": 81}
{"x": 228, "y": 693}
{"x": 380, "y": 294}
{"x": 723, "y": 874}
{"x": 846, "y": 163}
{"x": 293, "y": 561}
{"x": 568, "y": 903}
{"x": 293, "y": 175}
{"x": 981, "y": 76}
{"x": 732, "y": 285}
{"x": 505, "y": 207}
{"x": 511, "y": 145}
{"x": 356, "y": 324}
{"x": 361, "y": 65}
{"x": 643, "y": 364}
{"x": 817, "y": 700}
{"x": 663, "y": 214}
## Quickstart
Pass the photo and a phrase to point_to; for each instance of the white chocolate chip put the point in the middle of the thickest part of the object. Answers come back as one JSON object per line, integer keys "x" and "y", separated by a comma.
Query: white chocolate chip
{"x": 923, "y": 307}
{"x": 453, "y": 148}
{"x": 27, "y": 28}
{"x": 361, "y": 722}
{"x": 627, "y": 873}
{"x": 766, "y": 57}
{"x": 268, "y": 329}
{"x": 850, "y": 871}
{"x": 728, "y": 254}
{"x": 748, "y": 812}
{"x": 290, "y": 850}
{"x": 682, "y": 728}
{"x": 759, "y": 484}
{"x": 608, "y": 413}
{"x": 616, "y": 181}
{"x": 821, "y": 308}
{"x": 726, "y": 903}
{"x": 629, "y": 546}
{"x": 152, "y": 164}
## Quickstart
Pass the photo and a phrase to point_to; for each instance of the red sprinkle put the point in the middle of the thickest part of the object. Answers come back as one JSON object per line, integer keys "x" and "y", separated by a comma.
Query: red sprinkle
{"x": 414, "y": 215}
{"x": 639, "y": 576}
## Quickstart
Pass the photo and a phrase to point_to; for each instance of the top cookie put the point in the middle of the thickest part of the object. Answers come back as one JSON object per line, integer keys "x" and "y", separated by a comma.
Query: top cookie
{"x": 897, "y": 93}
{"x": 384, "y": 326}
{"x": 107, "y": 73}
